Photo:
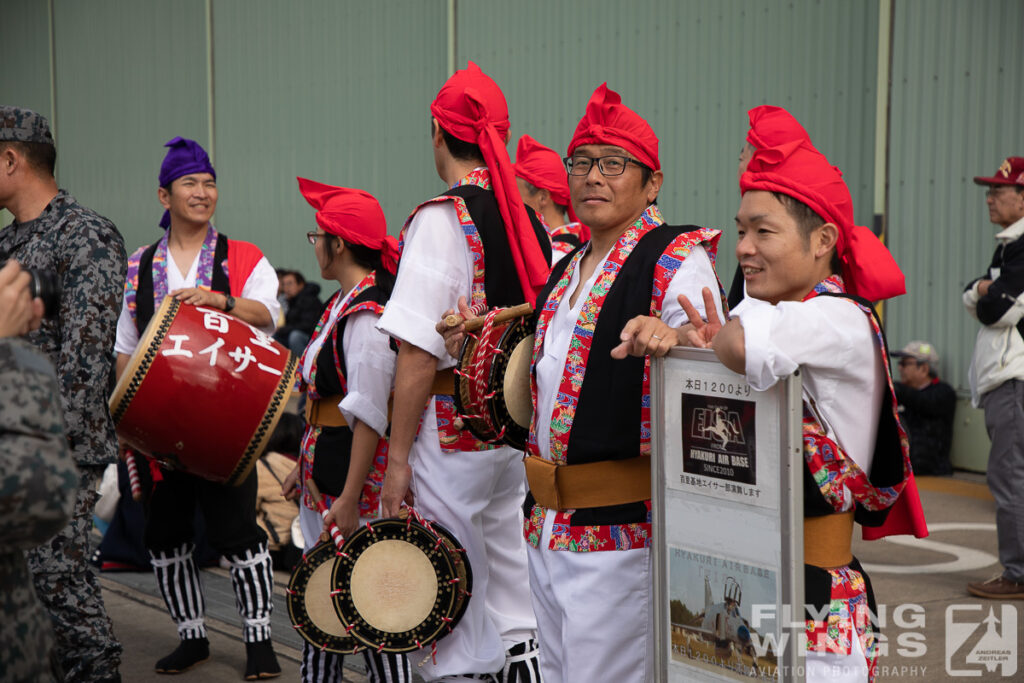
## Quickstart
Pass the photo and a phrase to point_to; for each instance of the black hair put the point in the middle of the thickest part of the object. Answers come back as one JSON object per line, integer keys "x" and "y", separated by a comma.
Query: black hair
{"x": 807, "y": 221}
{"x": 41, "y": 156}
{"x": 299, "y": 279}
{"x": 365, "y": 257}
{"x": 533, "y": 189}
{"x": 460, "y": 149}
{"x": 287, "y": 435}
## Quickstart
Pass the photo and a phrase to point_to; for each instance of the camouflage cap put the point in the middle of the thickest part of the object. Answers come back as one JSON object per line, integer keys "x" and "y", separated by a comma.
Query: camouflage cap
{"x": 23, "y": 125}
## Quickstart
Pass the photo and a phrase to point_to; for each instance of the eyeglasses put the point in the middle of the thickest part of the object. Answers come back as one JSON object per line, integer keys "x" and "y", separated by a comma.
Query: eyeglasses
{"x": 905, "y": 362}
{"x": 609, "y": 166}
{"x": 313, "y": 236}
{"x": 996, "y": 190}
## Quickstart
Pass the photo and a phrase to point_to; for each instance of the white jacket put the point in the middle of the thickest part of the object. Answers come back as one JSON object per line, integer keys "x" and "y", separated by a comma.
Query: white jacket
{"x": 999, "y": 348}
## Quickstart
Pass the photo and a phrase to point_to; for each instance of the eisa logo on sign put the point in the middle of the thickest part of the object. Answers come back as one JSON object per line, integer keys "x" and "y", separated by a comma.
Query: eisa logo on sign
{"x": 718, "y": 438}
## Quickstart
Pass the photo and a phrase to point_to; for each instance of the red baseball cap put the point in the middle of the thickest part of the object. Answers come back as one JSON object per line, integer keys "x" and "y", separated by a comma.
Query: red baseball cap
{"x": 1011, "y": 172}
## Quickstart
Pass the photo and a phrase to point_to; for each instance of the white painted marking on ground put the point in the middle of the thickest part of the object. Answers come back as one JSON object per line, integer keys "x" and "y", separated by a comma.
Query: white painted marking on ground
{"x": 967, "y": 559}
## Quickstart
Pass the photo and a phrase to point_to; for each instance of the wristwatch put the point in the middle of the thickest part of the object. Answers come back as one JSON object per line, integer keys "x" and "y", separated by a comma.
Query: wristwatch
{"x": 229, "y": 302}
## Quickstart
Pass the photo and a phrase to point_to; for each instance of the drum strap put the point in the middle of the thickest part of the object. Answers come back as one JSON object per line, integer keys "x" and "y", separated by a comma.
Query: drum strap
{"x": 589, "y": 485}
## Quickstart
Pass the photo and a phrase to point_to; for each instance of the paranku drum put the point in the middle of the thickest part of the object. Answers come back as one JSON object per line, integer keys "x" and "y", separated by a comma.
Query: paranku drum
{"x": 203, "y": 391}
{"x": 400, "y": 585}
{"x": 492, "y": 380}
{"x": 310, "y": 606}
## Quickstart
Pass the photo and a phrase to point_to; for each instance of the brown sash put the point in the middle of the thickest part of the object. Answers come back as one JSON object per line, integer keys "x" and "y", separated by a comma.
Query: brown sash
{"x": 828, "y": 539}
{"x": 596, "y": 484}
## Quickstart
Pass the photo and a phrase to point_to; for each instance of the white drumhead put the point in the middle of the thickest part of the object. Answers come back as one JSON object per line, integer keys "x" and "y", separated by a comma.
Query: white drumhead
{"x": 517, "y": 383}
{"x": 394, "y": 586}
{"x": 318, "y": 601}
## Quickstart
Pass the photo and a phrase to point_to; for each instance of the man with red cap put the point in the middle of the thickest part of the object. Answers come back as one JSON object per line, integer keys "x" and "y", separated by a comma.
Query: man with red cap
{"x": 476, "y": 240}
{"x": 769, "y": 126}
{"x": 997, "y": 372}
{"x": 540, "y": 174}
{"x": 589, "y": 510}
{"x": 811, "y": 275}
{"x": 198, "y": 265}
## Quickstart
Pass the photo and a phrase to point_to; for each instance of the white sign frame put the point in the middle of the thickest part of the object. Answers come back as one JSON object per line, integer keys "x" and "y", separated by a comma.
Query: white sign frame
{"x": 716, "y": 519}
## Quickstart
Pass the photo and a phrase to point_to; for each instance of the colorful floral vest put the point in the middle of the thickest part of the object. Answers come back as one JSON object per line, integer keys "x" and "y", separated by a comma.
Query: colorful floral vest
{"x": 327, "y": 377}
{"x": 494, "y": 285}
{"x": 600, "y": 528}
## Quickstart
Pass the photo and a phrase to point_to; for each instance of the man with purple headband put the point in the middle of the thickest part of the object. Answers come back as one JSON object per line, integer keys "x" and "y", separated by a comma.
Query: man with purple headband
{"x": 195, "y": 264}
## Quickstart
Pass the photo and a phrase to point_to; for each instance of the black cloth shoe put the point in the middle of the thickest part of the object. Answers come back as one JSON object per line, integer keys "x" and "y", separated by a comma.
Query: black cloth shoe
{"x": 260, "y": 661}
{"x": 189, "y": 653}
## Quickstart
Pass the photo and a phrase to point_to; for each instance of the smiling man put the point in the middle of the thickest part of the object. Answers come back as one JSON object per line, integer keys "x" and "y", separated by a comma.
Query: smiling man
{"x": 810, "y": 276}
{"x": 195, "y": 264}
{"x": 590, "y": 533}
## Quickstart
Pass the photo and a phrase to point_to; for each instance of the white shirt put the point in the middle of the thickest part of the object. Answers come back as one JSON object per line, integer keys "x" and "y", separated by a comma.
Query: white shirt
{"x": 693, "y": 275}
{"x": 261, "y": 286}
{"x": 369, "y": 366}
{"x": 832, "y": 342}
{"x": 437, "y": 268}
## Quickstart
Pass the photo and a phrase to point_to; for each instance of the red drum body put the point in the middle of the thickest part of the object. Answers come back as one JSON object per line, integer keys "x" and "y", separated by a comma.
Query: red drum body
{"x": 203, "y": 391}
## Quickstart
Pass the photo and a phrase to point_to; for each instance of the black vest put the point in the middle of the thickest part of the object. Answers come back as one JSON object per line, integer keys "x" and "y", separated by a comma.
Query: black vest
{"x": 607, "y": 421}
{"x": 144, "y": 290}
{"x": 501, "y": 281}
{"x": 886, "y": 464}
{"x": 333, "y": 448}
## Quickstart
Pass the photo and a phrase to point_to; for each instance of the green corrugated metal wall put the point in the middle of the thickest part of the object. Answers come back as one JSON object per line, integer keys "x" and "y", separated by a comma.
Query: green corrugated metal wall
{"x": 339, "y": 91}
{"x": 957, "y": 103}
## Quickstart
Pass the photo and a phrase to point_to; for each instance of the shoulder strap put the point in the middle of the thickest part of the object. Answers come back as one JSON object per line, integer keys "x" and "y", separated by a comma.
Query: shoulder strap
{"x": 144, "y": 290}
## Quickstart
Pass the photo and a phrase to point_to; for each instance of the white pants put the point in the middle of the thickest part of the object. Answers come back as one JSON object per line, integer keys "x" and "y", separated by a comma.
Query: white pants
{"x": 478, "y": 497}
{"x": 593, "y": 613}
{"x": 829, "y": 667}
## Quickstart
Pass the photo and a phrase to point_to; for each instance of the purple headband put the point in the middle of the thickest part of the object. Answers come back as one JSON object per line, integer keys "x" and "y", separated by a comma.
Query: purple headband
{"x": 183, "y": 157}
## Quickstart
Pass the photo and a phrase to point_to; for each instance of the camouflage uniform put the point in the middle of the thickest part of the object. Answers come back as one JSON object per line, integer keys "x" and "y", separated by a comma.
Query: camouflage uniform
{"x": 37, "y": 478}
{"x": 87, "y": 253}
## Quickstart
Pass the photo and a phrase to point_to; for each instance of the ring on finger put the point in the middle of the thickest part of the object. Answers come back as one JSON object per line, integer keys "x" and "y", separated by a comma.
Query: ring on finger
{"x": 654, "y": 336}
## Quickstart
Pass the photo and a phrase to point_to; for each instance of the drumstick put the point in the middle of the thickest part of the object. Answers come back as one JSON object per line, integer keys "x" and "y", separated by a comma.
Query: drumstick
{"x": 318, "y": 500}
{"x": 519, "y": 311}
{"x": 133, "y": 475}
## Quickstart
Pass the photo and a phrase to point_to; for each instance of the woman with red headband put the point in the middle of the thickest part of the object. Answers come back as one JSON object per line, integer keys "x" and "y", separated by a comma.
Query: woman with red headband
{"x": 347, "y": 369}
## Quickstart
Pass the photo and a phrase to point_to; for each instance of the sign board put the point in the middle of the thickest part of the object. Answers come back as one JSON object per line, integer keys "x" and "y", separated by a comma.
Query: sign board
{"x": 727, "y": 490}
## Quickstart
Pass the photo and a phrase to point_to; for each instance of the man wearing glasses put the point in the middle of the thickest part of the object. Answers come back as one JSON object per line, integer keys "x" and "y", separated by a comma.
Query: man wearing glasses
{"x": 616, "y": 295}
{"x": 997, "y": 372}
{"x": 197, "y": 265}
{"x": 926, "y": 405}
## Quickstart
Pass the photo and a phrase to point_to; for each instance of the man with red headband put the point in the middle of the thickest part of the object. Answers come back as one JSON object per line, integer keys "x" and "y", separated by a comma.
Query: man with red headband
{"x": 811, "y": 275}
{"x": 769, "y": 127}
{"x": 540, "y": 175}
{"x": 476, "y": 240}
{"x": 195, "y": 264}
{"x": 589, "y": 527}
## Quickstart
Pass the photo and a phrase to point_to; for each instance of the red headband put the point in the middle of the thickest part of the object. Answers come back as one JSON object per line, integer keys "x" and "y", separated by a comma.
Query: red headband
{"x": 542, "y": 167}
{"x": 804, "y": 174}
{"x": 609, "y": 122}
{"x": 353, "y": 215}
{"x": 773, "y": 126}
{"x": 471, "y": 106}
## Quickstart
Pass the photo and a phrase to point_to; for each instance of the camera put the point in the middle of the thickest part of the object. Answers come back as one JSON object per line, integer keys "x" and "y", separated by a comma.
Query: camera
{"x": 44, "y": 284}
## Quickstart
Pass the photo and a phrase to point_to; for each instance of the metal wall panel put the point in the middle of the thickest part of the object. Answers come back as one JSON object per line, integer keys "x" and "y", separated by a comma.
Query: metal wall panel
{"x": 129, "y": 77}
{"x": 337, "y": 92}
{"x": 692, "y": 69}
{"x": 25, "y": 56}
{"x": 958, "y": 90}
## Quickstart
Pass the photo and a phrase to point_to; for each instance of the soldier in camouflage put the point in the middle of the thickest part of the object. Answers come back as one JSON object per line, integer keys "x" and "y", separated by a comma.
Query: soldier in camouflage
{"x": 53, "y": 232}
{"x": 37, "y": 478}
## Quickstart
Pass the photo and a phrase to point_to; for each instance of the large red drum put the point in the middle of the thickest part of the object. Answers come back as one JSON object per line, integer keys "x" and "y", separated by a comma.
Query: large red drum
{"x": 203, "y": 391}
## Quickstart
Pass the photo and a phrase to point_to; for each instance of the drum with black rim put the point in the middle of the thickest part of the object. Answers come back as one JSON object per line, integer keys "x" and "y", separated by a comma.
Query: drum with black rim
{"x": 310, "y": 607}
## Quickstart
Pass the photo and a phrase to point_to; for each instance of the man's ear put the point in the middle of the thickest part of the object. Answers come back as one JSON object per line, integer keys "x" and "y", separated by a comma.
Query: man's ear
{"x": 654, "y": 186}
{"x": 437, "y": 138}
{"x": 164, "y": 196}
{"x": 826, "y": 237}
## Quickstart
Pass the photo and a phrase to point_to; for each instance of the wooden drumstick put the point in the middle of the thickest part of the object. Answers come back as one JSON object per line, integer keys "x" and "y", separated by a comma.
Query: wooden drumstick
{"x": 133, "y": 475}
{"x": 472, "y": 324}
{"x": 318, "y": 500}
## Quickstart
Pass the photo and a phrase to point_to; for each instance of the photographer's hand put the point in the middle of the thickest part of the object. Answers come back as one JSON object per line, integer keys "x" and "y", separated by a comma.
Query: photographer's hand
{"x": 19, "y": 312}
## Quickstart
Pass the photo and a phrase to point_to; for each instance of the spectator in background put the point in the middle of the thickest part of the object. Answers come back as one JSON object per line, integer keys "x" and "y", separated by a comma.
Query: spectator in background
{"x": 303, "y": 307}
{"x": 274, "y": 513}
{"x": 926, "y": 406}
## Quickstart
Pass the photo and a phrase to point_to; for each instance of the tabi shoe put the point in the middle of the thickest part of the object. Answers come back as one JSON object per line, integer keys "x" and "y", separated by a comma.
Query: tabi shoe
{"x": 260, "y": 661}
{"x": 190, "y": 652}
{"x": 997, "y": 588}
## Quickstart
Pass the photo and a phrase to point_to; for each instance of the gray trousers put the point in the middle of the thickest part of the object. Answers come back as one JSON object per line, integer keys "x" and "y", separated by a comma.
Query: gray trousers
{"x": 1004, "y": 419}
